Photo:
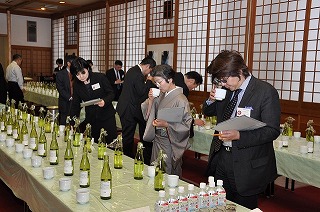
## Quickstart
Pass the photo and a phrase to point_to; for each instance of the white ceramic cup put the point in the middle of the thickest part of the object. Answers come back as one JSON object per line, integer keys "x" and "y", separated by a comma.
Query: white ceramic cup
{"x": 3, "y": 136}
{"x": 27, "y": 153}
{"x": 83, "y": 195}
{"x": 19, "y": 148}
{"x": 151, "y": 171}
{"x": 173, "y": 180}
{"x": 285, "y": 143}
{"x": 297, "y": 134}
{"x": 279, "y": 144}
{"x": 220, "y": 94}
{"x": 48, "y": 172}
{"x": 155, "y": 92}
{"x": 36, "y": 161}
{"x": 304, "y": 149}
{"x": 65, "y": 184}
{"x": 9, "y": 142}
{"x": 317, "y": 138}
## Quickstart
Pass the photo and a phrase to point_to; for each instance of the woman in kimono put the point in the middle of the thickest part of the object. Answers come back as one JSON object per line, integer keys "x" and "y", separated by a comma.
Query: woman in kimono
{"x": 171, "y": 137}
{"x": 89, "y": 86}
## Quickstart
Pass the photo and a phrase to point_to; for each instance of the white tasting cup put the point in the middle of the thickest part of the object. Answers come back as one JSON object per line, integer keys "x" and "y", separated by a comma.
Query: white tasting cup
{"x": 3, "y": 136}
{"x": 9, "y": 142}
{"x": 151, "y": 171}
{"x": 65, "y": 184}
{"x": 220, "y": 94}
{"x": 83, "y": 195}
{"x": 19, "y": 148}
{"x": 155, "y": 92}
{"x": 173, "y": 180}
{"x": 48, "y": 172}
{"x": 297, "y": 134}
{"x": 36, "y": 161}
{"x": 27, "y": 153}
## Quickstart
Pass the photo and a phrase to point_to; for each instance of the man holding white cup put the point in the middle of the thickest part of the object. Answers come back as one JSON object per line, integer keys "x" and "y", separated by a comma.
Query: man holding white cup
{"x": 244, "y": 160}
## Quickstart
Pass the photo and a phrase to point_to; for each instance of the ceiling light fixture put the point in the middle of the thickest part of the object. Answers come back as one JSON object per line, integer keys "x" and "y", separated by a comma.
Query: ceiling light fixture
{"x": 42, "y": 8}
{"x": 62, "y": 2}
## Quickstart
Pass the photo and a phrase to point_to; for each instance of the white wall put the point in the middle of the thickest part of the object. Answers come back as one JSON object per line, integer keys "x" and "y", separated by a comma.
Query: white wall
{"x": 3, "y": 23}
{"x": 19, "y": 31}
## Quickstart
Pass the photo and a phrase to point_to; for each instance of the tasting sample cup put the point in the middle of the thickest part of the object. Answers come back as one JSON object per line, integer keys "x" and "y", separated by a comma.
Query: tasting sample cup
{"x": 3, "y": 136}
{"x": 155, "y": 92}
{"x": 48, "y": 172}
{"x": 19, "y": 148}
{"x": 83, "y": 195}
{"x": 304, "y": 149}
{"x": 220, "y": 94}
{"x": 151, "y": 171}
{"x": 297, "y": 134}
{"x": 173, "y": 180}
{"x": 36, "y": 161}
{"x": 279, "y": 144}
{"x": 10, "y": 142}
{"x": 65, "y": 184}
{"x": 27, "y": 153}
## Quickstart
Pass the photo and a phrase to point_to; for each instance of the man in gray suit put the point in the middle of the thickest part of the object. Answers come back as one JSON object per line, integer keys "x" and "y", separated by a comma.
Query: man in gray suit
{"x": 244, "y": 160}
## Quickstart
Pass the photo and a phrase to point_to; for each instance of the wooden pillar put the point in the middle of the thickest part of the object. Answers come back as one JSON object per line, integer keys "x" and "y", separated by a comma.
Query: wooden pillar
{"x": 9, "y": 35}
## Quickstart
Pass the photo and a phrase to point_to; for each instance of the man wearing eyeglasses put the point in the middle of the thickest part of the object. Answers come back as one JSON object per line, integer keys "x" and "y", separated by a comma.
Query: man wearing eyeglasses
{"x": 135, "y": 91}
{"x": 244, "y": 160}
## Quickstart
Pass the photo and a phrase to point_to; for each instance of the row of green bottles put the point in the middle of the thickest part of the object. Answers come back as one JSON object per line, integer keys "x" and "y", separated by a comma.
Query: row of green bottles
{"x": 138, "y": 163}
{"x": 102, "y": 144}
{"x": 84, "y": 169}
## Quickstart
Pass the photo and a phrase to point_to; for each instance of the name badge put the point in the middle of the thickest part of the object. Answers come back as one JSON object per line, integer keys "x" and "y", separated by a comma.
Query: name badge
{"x": 243, "y": 111}
{"x": 95, "y": 86}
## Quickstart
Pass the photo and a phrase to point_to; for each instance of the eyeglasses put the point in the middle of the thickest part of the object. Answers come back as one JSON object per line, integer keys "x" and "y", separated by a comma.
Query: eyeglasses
{"x": 159, "y": 83}
{"x": 224, "y": 79}
{"x": 81, "y": 72}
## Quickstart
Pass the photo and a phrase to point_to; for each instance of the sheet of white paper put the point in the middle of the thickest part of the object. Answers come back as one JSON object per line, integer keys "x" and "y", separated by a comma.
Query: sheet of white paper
{"x": 241, "y": 123}
{"x": 173, "y": 114}
{"x": 90, "y": 102}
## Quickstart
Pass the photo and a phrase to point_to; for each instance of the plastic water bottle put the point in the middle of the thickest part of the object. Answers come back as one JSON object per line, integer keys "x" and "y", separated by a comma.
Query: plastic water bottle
{"x": 173, "y": 201}
{"x": 221, "y": 193}
{"x": 192, "y": 198}
{"x": 162, "y": 204}
{"x": 203, "y": 197}
{"x": 210, "y": 179}
{"x": 213, "y": 195}
{"x": 183, "y": 200}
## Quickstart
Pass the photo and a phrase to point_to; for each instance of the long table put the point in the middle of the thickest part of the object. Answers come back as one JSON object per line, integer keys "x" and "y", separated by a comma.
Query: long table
{"x": 28, "y": 184}
{"x": 42, "y": 99}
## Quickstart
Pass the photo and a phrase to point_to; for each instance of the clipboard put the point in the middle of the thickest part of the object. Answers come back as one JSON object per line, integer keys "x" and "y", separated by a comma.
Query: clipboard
{"x": 241, "y": 123}
{"x": 173, "y": 114}
{"x": 90, "y": 102}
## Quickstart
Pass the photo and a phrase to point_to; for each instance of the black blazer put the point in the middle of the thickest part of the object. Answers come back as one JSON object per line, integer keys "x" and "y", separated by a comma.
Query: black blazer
{"x": 3, "y": 86}
{"x": 81, "y": 93}
{"x": 179, "y": 81}
{"x": 253, "y": 154}
{"x": 63, "y": 87}
{"x": 135, "y": 91}
{"x": 117, "y": 89}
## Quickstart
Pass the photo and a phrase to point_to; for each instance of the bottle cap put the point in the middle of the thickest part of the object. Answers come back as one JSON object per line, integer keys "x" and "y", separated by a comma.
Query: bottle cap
{"x": 212, "y": 184}
{"x": 172, "y": 191}
{"x": 202, "y": 185}
{"x": 210, "y": 179}
{"x": 220, "y": 182}
{"x": 190, "y": 187}
{"x": 181, "y": 189}
{"x": 162, "y": 193}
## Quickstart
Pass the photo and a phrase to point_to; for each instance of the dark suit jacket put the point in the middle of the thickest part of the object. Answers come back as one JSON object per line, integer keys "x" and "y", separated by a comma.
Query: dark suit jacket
{"x": 63, "y": 87}
{"x": 179, "y": 81}
{"x": 253, "y": 155}
{"x": 117, "y": 88}
{"x": 81, "y": 93}
{"x": 3, "y": 86}
{"x": 135, "y": 91}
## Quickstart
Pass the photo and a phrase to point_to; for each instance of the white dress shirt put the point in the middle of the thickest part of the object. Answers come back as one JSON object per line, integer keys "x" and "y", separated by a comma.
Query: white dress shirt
{"x": 14, "y": 74}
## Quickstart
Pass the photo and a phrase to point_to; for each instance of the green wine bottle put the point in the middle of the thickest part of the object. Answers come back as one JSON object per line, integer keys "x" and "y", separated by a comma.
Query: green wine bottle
{"x": 76, "y": 133}
{"x": 24, "y": 134}
{"x": 16, "y": 129}
{"x": 67, "y": 129}
{"x": 47, "y": 123}
{"x": 106, "y": 180}
{"x": 33, "y": 140}
{"x": 32, "y": 113}
{"x": 68, "y": 160}
{"x": 3, "y": 123}
{"x": 42, "y": 145}
{"x": 138, "y": 163}
{"x": 41, "y": 117}
{"x": 88, "y": 137}
{"x": 84, "y": 169}
{"x": 24, "y": 112}
{"x": 54, "y": 150}
{"x": 10, "y": 124}
{"x": 159, "y": 182}
{"x": 101, "y": 144}
{"x": 118, "y": 153}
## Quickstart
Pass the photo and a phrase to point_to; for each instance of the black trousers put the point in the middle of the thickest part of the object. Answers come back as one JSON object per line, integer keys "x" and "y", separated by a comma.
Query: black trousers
{"x": 224, "y": 171}
{"x": 129, "y": 123}
{"x": 15, "y": 92}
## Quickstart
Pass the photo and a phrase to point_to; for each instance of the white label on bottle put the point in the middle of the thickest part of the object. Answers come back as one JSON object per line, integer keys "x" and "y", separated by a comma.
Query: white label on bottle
{"x": 84, "y": 179}
{"x": 53, "y": 156}
{"x": 2, "y": 125}
{"x": 41, "y": 149}
{"x": 32, "y": 143}
{"x": 25, "y": 140}
{"x": 68, "y": 168}
{"x": 14, "y": 135}
{"x": 105, "y": 189}
{"x": 14, "y": 132}
{"x": 9, "y": 129}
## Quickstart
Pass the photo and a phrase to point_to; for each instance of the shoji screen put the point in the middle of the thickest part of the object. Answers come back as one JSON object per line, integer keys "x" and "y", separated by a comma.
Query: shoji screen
{"x": 85, "y": 35}
{"x": 57, "y": 40}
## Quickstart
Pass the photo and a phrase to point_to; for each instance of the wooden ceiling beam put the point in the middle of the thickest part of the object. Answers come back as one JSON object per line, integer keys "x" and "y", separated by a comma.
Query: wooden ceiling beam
{"x": 57, "y": 3}
{"x": 20, "y": 5}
